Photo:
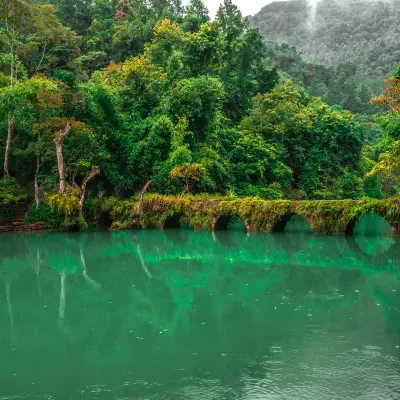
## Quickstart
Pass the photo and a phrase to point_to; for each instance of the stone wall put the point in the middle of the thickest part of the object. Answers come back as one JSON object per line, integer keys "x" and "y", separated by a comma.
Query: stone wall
{"x": 15, "y": 222}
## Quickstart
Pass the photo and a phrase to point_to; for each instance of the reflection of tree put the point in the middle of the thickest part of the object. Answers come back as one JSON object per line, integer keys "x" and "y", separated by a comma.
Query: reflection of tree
{"x": 142, "y": 262}
{"x": 85, "y": 274}
{"x": 11, "y": 267}
{"x": 62, "y": 258}
{"x": 197, "y": 282}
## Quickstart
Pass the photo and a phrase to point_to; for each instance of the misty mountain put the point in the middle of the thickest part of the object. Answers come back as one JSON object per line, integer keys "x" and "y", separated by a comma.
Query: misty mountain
{"x": 365, "y": 33}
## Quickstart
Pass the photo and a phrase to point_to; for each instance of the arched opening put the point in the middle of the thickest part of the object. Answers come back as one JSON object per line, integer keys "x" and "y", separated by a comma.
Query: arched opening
{"x": 293, "y": 233}
{"x": 178, "y": 221}
{"x": 105, "y": 221}
{"x": 230, "y": 223}
{"x": 177, "y": 229}
{"x": 292, "y": 223}
{"x": 370, "y": 224}
{"x": 372, "y": 234}
{"x": 173, "y": 221}
{"x": 230, "y": 231}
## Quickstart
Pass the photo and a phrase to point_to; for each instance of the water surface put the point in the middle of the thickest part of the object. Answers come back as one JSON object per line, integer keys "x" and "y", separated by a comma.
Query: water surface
{"x": 199, "y": 315}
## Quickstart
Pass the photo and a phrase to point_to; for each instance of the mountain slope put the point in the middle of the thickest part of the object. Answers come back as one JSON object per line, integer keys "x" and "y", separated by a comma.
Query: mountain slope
{"x": 363, "y": 32}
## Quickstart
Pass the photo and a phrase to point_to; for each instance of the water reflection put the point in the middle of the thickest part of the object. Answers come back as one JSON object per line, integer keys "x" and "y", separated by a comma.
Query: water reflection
{"x": 373, "y": 235}
{"x": 179, "y": 314}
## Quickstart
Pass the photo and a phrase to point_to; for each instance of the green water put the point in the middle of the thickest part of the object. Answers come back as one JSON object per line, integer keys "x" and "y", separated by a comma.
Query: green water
{"x": 199, "y": 315}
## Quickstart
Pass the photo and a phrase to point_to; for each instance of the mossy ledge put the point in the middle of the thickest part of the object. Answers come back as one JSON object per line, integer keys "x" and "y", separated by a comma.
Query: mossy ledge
{"x": 204, "y": 212}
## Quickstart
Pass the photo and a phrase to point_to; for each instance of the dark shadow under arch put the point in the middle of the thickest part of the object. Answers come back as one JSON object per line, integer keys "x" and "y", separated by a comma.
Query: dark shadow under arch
{"x": 282, "y": 225}
{"x": 105, "y": 221}
{"x": 173, "y": 221}
{"x": 350, "y": 227}
{"x": 224, "y": 223}
{"x": 178, "y": 237}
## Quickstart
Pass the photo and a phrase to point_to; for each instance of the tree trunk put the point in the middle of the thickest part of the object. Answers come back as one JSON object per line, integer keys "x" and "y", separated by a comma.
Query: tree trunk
{"x": 95, "y": 171}
{"x": 8, "y": 146}
{"x": 37, "y": 189}
{"x": 60, "y": 160}
{"x": 187, "y": 188}
{"x": 142, "y": 193}
{"x": 9, "y": 118}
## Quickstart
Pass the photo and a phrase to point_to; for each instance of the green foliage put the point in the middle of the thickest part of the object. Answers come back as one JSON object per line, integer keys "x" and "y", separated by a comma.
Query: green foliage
{"x": 67, "y": 204}
{"x": 156, "y": 91}
{"x": 53, "y": 218}
{"x": 59, "y": 211}
{"x": 11, "y": 192}
{"x": 335, "y": 85}
{"x": 362, "y": 32}
{"x": 312, "y": 139}
{"x": 328, "y": 217}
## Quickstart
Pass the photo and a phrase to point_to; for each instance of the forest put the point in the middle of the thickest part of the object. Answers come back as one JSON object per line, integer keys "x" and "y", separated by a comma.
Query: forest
{"x": 111, "y": 98}
{"x": 363, "y": 34}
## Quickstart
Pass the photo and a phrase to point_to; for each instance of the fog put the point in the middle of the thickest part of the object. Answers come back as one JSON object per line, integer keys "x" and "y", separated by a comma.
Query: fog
{"x": 251, "y": 7}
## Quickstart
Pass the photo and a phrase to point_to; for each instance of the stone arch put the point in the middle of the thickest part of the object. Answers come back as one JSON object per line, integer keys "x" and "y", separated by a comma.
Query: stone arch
{"x": 222, "y": 222}
{"x": 349, "y": 230}
{"x": 175, "y": 221}
{"x": 105, "y": 220}
{"x": 281, "y": 224}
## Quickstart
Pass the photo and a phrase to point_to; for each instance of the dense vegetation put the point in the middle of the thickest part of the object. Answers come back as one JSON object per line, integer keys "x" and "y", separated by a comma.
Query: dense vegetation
{"x": 123, "y": 95}
{"x": 336, "y": 85}
{"x": 364, "y": 33}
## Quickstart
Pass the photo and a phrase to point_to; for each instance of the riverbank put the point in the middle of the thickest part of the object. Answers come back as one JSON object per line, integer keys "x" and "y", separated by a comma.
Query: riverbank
{"x": 212, "y": 213}
{"x": 205, "y": 213}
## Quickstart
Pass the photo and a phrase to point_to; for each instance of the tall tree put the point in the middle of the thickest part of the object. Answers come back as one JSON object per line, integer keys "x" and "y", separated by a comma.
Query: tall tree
{"x": 14, "y": 20}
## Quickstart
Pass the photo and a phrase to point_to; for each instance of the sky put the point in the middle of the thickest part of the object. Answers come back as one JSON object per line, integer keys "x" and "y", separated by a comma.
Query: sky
{"x": 247, "y": 7}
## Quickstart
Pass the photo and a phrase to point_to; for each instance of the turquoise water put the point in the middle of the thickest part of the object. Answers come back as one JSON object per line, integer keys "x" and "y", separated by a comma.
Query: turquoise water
{"x": 198, "y": 315}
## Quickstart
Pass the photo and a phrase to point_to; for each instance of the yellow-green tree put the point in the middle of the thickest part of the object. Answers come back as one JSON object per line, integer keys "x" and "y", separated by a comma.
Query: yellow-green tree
{"x": 188, "y": 173}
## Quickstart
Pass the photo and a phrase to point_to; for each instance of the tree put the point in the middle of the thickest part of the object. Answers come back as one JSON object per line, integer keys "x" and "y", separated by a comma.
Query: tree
{"x": 26, "y": 28}
{"x": 312, "y": 139}
{"x": 196, "y": 15}
{"x": 391, "y": 94}
{"x": 387, "y": 170}
{"x": 14, "y": 15}
{"x": 60, "y": 160}
{"x": 188, "y": 173}
{"x": 94, "y": 171}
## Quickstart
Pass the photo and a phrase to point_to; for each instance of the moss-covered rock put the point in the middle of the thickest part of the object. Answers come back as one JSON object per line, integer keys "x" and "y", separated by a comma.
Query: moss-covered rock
{"x": 203, "y": 212}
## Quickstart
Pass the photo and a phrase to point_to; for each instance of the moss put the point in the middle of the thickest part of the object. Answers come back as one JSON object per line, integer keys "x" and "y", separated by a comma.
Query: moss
{"x": 329, "y": 217}
{"x": 335, "y": 216}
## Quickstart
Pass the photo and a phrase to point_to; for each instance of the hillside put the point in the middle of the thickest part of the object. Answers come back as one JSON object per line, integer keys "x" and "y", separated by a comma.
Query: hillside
{"x": 365, "y": 33}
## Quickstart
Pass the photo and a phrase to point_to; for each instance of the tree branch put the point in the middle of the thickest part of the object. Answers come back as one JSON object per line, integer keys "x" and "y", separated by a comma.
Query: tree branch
{"x": 142, "y": 193}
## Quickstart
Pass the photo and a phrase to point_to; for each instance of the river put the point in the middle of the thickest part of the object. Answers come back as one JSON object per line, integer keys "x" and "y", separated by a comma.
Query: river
{"x": 198, "y": 315}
